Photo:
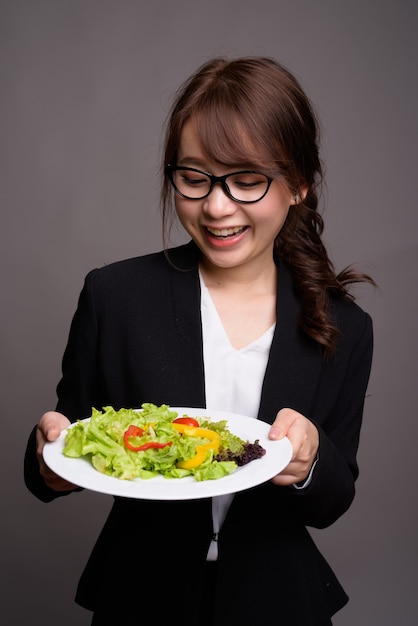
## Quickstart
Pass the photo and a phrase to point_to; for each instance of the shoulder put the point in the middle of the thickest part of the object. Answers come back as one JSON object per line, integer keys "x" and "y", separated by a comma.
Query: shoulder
{"x": 348, "y": 313}
{"x": 354, "y": 324}
{"x": 150, "y": 269}
{"x": 349, "y": 317}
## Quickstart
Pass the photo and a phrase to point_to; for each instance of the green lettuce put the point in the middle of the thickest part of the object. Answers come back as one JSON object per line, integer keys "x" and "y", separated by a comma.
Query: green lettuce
{"x": 102, "y": 439}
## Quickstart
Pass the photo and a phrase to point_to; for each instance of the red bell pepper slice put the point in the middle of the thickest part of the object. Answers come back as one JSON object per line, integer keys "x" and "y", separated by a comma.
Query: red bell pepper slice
{"x": 153, "y": 444}
{"x": 136, "y": 431}
{"x": 133, "y": 431}
{"x": 190, "y": 421}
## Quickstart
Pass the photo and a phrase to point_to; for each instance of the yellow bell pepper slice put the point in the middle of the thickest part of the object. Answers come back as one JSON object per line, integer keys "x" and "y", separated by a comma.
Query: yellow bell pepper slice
{"x": 193, "y": 431}
{"x": 201, "y": 451}
{"x": 198, "y": 459}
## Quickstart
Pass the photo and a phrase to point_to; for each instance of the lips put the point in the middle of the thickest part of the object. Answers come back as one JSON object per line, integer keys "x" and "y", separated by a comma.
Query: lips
{"x": 224, "y": 233}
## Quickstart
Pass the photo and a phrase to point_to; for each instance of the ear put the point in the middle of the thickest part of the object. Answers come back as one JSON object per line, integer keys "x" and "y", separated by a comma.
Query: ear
{"x": 299, "y": 197}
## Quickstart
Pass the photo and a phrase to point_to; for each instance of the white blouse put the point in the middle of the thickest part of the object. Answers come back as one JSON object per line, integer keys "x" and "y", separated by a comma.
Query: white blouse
{"x": 233, "y": 381}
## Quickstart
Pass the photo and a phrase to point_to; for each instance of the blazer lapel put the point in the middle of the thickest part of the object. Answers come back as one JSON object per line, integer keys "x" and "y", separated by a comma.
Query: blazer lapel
{"x": 295, "y": 360}
{"x": 185, "y": 295}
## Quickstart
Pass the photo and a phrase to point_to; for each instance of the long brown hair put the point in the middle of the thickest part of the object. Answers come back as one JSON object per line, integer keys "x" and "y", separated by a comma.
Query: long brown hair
{"x": 253, "y": 111}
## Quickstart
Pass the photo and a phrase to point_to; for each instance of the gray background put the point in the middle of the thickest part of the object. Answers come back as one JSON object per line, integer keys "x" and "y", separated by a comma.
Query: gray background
{"x": 85, "y": 88}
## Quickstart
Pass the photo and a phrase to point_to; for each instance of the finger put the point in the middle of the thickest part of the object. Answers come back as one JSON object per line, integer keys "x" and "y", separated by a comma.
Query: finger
{"x": 285, "y": 480}
{"x": 53, "y": 480}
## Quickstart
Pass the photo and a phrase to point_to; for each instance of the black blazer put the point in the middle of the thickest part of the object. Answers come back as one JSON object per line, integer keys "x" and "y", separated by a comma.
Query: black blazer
{"x": 135, "y": 338}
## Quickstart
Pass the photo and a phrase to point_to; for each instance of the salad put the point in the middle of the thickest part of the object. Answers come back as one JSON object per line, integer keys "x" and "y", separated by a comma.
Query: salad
{"x": 155, "y": 441}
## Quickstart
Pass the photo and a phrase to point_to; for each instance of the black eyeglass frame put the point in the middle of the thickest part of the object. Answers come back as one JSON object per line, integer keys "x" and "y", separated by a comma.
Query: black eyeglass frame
{"x": 170, "y": 169}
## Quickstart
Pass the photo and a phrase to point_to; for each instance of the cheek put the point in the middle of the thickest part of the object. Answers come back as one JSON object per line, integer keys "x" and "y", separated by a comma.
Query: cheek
{"x": 277, "y": 217}
{"x": 186, "y": 213}
{"x": 283, "y": 218}
{"x": 178, "y": 205}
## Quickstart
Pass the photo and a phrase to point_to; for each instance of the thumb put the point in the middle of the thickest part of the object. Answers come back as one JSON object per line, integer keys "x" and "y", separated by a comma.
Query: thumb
{"x": 51, "y": 424}
{"x": 285, "y": 419}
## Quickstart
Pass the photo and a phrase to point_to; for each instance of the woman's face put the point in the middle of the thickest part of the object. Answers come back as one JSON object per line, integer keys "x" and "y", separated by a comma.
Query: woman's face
{"x": 228, "y": 233}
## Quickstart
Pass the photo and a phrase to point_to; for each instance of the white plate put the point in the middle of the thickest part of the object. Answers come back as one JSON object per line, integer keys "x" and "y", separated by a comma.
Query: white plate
{"x": 278, "y": 454}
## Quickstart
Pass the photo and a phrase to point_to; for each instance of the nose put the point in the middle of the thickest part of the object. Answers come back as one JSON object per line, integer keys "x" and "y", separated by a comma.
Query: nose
{"x": 217, "y": 203}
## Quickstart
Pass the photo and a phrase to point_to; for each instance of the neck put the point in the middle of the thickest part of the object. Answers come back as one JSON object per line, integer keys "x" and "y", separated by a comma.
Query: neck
{"x": 261, "y": 279}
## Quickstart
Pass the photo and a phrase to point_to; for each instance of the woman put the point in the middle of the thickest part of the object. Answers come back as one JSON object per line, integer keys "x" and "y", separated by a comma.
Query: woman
{"x": 248, "y": 317}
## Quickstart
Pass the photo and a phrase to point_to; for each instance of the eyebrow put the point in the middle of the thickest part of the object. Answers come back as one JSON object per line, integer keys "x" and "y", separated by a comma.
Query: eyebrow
{"x": 200, "y": 163}
{"x": 191, "y": 161}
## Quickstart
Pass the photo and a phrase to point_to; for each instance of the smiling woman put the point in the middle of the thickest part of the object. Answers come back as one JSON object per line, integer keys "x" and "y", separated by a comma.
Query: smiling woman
{"x": 231, "y": 233}
{"x": 249, "y": 318}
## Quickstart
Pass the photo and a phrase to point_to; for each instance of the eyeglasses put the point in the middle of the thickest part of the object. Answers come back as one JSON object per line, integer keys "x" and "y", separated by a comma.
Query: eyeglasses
{"x": 244, "y": 187}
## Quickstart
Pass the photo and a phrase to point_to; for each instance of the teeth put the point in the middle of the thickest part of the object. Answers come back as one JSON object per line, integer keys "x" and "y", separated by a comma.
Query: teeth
{"x": 225, "y": 232}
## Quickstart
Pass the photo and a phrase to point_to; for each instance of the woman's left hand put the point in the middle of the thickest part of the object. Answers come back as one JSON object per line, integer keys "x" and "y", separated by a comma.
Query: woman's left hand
{"x": 304, "y": 437}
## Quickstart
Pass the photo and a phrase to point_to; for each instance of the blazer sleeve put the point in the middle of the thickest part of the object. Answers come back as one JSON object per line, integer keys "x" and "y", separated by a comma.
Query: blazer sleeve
{"x": 331, "y": 394}
{"x": 337, "y": 413}
{"x": 78, "y": 388}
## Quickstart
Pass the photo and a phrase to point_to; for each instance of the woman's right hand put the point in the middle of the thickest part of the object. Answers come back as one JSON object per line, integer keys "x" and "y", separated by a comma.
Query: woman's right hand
{"x": 49, "y": 428}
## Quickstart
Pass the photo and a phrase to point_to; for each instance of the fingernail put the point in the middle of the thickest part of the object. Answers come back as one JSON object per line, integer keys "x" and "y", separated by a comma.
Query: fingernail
{"x": 275, "y": 433}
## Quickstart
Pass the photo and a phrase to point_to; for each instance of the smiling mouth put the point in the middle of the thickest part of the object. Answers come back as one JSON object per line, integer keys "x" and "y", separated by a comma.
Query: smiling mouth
{"x": 224, "y": 233}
